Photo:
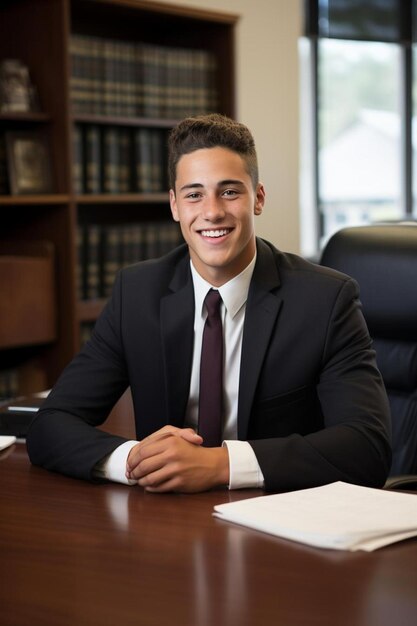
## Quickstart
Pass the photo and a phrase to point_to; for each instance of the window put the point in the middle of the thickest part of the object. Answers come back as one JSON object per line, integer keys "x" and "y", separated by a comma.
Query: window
{"x": 357, "y": 115}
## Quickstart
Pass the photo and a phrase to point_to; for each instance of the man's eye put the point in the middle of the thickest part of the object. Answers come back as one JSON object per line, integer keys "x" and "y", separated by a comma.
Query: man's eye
{"x": 193, "y": 196}
{"x": 230, "y": 193}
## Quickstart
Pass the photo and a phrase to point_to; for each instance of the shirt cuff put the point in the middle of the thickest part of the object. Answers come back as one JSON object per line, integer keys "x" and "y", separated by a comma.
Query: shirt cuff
{"x": 113, "y": 466}
{"x": 244, "y": 469}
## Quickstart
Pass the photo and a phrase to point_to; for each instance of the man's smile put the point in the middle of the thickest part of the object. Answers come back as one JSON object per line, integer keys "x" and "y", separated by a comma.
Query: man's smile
{"x": 214, "y": 233}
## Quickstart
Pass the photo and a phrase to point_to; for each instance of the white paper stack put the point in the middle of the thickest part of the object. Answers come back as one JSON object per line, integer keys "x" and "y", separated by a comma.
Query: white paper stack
{"x": 6, "y": 441}
{"x": 340, "y": 516}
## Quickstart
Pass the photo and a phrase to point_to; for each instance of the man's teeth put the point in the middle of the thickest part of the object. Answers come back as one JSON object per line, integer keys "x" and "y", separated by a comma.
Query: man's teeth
{"x": 214, "y": 233}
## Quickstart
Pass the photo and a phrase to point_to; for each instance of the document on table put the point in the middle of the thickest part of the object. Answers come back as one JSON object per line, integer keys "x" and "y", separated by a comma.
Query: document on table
{"x": 29, "y": 404}
{"x": 6, "y": 441}
{"x": 339, "y": 516}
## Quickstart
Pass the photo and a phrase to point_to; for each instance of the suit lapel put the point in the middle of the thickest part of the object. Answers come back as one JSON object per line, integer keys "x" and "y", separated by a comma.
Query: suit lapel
{"x": 262, "y": 309}
{"x": 177, "y": 334}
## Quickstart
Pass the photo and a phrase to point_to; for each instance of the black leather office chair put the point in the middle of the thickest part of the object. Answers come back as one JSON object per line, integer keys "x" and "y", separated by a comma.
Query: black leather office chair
{"x": 383, "y": 260}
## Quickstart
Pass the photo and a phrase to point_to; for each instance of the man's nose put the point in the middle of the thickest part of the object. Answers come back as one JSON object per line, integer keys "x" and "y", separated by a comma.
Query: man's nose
{"x": 213, "y": 209}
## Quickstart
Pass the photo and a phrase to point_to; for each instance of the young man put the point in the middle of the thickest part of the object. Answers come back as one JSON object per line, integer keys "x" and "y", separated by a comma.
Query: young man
{"x": 303, "y": 401}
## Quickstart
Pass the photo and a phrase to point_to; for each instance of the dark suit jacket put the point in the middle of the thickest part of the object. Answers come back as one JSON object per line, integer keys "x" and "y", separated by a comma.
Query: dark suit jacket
{"x": 311, "y": 400}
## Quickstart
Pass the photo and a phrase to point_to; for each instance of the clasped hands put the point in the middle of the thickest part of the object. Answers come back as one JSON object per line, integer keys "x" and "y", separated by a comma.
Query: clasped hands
{"x": 173, "y": 459}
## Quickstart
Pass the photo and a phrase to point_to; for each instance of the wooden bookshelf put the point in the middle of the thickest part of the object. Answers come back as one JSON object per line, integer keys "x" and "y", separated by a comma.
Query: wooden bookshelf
{"x": 132, "y": 27}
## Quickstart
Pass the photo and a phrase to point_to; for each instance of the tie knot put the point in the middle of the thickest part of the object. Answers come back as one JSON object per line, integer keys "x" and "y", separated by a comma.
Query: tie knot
{"x": 212, "y": 302}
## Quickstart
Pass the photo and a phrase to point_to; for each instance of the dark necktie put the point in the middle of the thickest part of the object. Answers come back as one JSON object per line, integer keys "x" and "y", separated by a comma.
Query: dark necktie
{"x": 211, "y": 374}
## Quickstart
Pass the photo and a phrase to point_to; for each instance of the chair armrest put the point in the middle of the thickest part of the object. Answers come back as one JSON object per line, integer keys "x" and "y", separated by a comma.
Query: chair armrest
{"x": 407, "y": 481}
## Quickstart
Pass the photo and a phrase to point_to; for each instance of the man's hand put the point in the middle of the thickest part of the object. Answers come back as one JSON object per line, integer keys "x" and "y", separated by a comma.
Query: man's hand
{"x": 172, "y": 459}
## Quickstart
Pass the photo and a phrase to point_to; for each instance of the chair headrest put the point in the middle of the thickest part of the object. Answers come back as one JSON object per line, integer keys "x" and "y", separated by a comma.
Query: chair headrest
{"x": 383, "y": 260}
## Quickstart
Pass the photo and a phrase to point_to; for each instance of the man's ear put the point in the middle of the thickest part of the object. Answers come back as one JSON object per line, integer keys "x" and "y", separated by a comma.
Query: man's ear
{"x": 260, "y": 198}
{"x": 173, "y": 205}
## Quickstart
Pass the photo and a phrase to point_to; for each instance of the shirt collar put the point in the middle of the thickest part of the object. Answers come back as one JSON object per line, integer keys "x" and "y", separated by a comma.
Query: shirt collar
{"x": 234, "y": 293}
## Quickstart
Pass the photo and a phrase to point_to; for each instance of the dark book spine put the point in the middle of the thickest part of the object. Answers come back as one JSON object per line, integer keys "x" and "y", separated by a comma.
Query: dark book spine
{"x": 93, "y": 261}
{"x": 129, "y": 76}
{"x": 82, "y": 244}
{"x": 139, "y": 79}
{"x": 179, "y": 70}
{"x": 110, "y": 78}
{"x": 125, "y": 160}
{"x": 92, "y": 152}
{"x": 95, "y": 75}
{"x": 110, "y": 160}
{"x": 126, "y": 255}
{"x": 157, "y": 159}
{"x": 78, "y": 159}
{"x": 153, "y": 105}
{"x": 111, "y": 258}
{"x": 118, "y": 84}
{"x": 143, "y": 160}
{"x": 125, "y": 79}
{"x": 151, "y": 240}
{"x": 85, "y": 93}
{"x": 138, "y": 243}
{"x": 77, "y": 78}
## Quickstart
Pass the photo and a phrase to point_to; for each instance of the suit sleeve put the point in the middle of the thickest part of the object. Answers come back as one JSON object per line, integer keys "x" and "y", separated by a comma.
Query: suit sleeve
{"x": 63, "y": 436}
{"x": 354, "y": 445}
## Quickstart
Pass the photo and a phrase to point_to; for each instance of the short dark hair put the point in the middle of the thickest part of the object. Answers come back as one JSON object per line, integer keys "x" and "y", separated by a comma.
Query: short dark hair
{"x": 211, "y": 131}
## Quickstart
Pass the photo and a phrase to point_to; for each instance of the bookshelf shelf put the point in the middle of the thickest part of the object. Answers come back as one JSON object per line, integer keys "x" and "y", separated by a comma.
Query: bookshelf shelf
{"x": 44, "y": 199}
{"x": 110, "y": 205}
{"x": 25, "y": 117}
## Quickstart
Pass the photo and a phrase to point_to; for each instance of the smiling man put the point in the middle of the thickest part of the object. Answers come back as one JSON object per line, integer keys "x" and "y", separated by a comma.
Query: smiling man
{"x": 215, "y": 201}
{"x": 300, "y": 400}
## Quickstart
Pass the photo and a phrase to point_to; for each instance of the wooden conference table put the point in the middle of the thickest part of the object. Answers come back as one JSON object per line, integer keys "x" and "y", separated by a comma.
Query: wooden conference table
{"x": 73, "y": 553}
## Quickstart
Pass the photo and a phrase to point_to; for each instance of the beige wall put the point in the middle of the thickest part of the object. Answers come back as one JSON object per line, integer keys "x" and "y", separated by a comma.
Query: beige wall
{"x": 267, "y": 101}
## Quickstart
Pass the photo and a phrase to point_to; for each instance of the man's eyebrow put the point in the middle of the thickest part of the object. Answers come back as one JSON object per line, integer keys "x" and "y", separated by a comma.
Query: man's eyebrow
{"x": 230, "y": 181}
{"x": 221, "y": 183}
{"x": 192, "y": 186}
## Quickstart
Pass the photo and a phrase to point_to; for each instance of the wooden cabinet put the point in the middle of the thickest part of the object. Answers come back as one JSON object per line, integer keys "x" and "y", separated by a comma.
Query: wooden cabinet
{"x": 157, "y": 40}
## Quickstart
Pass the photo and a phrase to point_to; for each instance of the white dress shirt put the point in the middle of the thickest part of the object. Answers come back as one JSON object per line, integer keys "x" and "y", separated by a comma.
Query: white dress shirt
{"x": 243, "y": 465}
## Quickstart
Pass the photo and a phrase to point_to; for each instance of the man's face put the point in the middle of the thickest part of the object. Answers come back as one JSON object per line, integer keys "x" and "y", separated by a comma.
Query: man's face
{"x": 215, "y": 204}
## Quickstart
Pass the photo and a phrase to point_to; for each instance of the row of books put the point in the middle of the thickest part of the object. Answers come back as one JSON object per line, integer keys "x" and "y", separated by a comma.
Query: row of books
{"x": 9, "y": 384}
{"x": 105, "y": 249}
{"x": 119, "y": 160}
{"x": 112, "y": 77}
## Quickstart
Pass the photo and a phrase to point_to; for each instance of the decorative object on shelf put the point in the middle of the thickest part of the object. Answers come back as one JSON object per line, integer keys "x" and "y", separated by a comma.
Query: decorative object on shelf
{"x": 29, "y": 163}
{"x": 17, "y": 93}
